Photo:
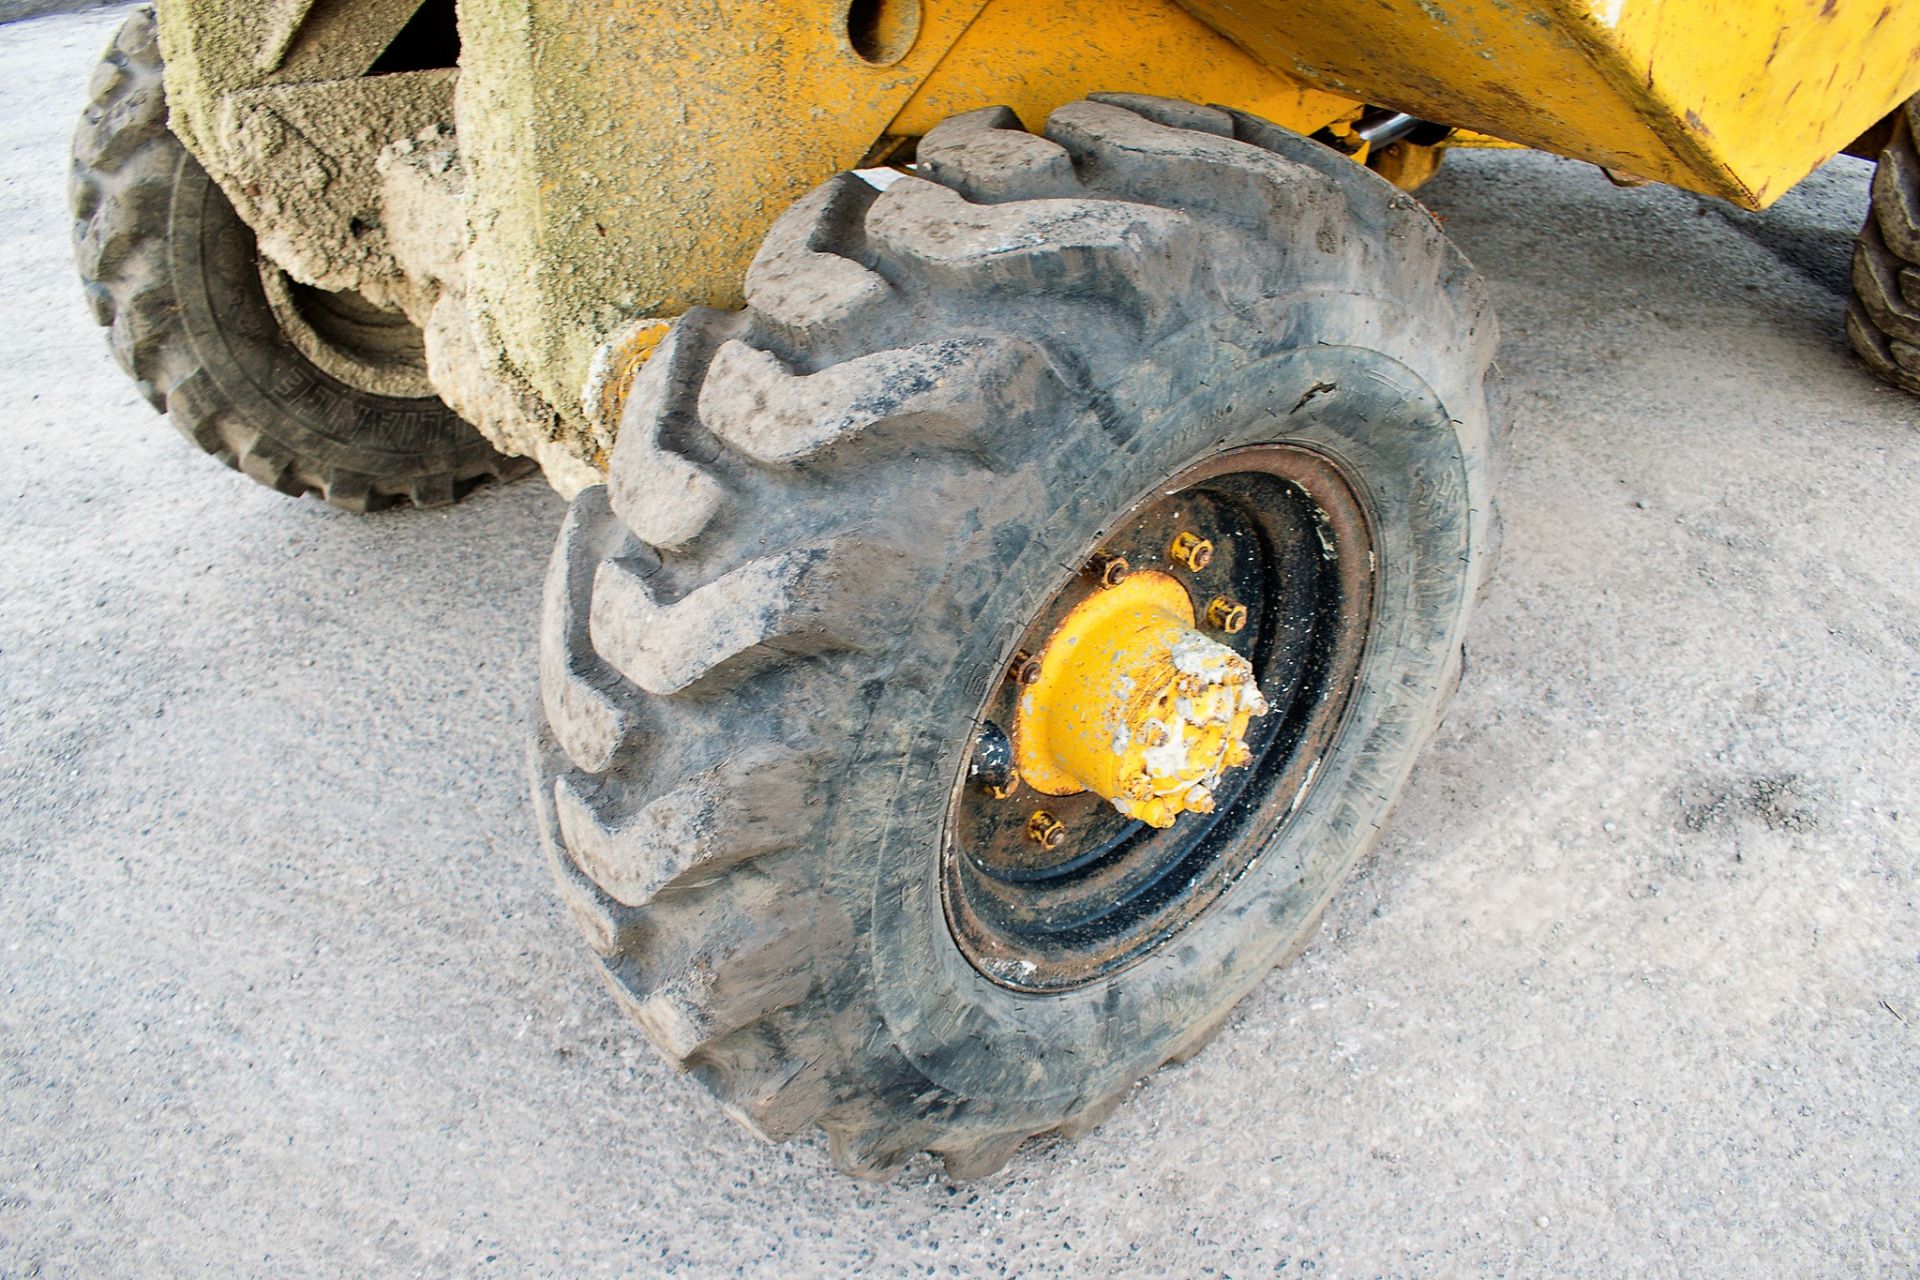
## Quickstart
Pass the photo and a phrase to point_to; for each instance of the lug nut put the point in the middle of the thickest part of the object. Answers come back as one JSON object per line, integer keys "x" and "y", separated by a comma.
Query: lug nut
{"x": 1191, "y": 550}
{"x": 1046, "y": 830}
{"x": 1229, "y": 616}
{"x": 1199, "y": 799}
{"x": 1239, "y": 755}
{"x": 1110, "y": 570}
{"x": 1024, "y": 669}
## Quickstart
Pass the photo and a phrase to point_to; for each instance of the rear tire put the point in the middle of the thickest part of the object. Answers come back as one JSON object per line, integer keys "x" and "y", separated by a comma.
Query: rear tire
{"x": 767, "y": 640}
{"x": 1883, "y": 320}
{"x": 213, "y": 334}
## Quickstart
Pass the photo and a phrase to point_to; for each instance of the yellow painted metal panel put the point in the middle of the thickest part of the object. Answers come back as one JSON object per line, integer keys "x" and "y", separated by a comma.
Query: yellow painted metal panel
{"x": 1035, "y": 55}
{"x": 1737, "y": 98}
{"x": 1768, "y": 88}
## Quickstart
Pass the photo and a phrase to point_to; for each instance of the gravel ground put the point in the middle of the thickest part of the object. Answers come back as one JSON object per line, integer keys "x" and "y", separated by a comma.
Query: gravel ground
{"x": 1632, "y": 986}
{"x": 21, "y": 10}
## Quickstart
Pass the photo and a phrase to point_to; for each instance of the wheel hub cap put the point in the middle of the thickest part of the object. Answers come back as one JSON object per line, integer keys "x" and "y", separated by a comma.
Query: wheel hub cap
{"x": 1135, "y": 705}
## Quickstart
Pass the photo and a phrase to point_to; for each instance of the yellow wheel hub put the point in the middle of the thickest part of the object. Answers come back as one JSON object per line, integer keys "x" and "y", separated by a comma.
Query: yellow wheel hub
{"x": 1134, "y": 704}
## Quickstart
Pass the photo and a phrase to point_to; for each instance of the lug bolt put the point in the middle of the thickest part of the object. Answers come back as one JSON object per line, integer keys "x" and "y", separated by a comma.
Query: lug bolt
{"x": 1191, "y": 550}
{"x": 1046, "y": 830}
{"x": 1024, "y": 669}
{"x": 1228, "y": 615}
{"x": 1110, "y": 570}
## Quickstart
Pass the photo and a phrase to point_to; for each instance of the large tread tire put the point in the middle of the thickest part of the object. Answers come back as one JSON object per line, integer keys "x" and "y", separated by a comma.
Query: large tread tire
{"x": 817, "y": 513}
{"x": 172, "y": 271}
{"x": 1883, "y": 319}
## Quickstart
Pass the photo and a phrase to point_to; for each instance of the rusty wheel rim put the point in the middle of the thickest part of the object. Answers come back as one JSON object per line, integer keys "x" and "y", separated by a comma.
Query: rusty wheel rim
{"x": 1041, "y": 910}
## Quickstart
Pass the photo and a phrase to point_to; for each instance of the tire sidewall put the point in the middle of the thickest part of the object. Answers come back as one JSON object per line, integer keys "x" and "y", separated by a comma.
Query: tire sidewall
{"x": 1198, "y": 396}
{"x": 235, "y": 336}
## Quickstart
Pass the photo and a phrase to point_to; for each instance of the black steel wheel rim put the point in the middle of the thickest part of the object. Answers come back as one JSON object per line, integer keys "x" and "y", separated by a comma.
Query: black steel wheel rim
{"x": 1293, "y": 542}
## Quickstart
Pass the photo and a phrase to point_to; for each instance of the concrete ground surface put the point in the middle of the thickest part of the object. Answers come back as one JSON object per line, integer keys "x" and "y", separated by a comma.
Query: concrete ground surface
{"x": 1631, "y": 986}
{"x": 21, "y": 10}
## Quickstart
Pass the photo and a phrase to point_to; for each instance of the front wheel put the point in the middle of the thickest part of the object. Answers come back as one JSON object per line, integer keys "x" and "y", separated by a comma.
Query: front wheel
{"x": 995, "y": 644}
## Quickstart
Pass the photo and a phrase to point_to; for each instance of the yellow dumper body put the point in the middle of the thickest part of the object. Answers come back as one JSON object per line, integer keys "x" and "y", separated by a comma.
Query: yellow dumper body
{"x": 624, "y": 158}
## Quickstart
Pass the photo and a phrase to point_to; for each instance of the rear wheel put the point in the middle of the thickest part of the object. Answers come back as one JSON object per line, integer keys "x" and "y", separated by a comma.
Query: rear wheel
{"x": 304, "y": 390}
{"x": 1883, "y": 320}
{"x": 994, "y": 645}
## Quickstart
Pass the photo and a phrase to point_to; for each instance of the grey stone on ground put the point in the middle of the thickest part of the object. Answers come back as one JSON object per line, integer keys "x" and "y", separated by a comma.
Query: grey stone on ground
{"x": 1631, "y": 986}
